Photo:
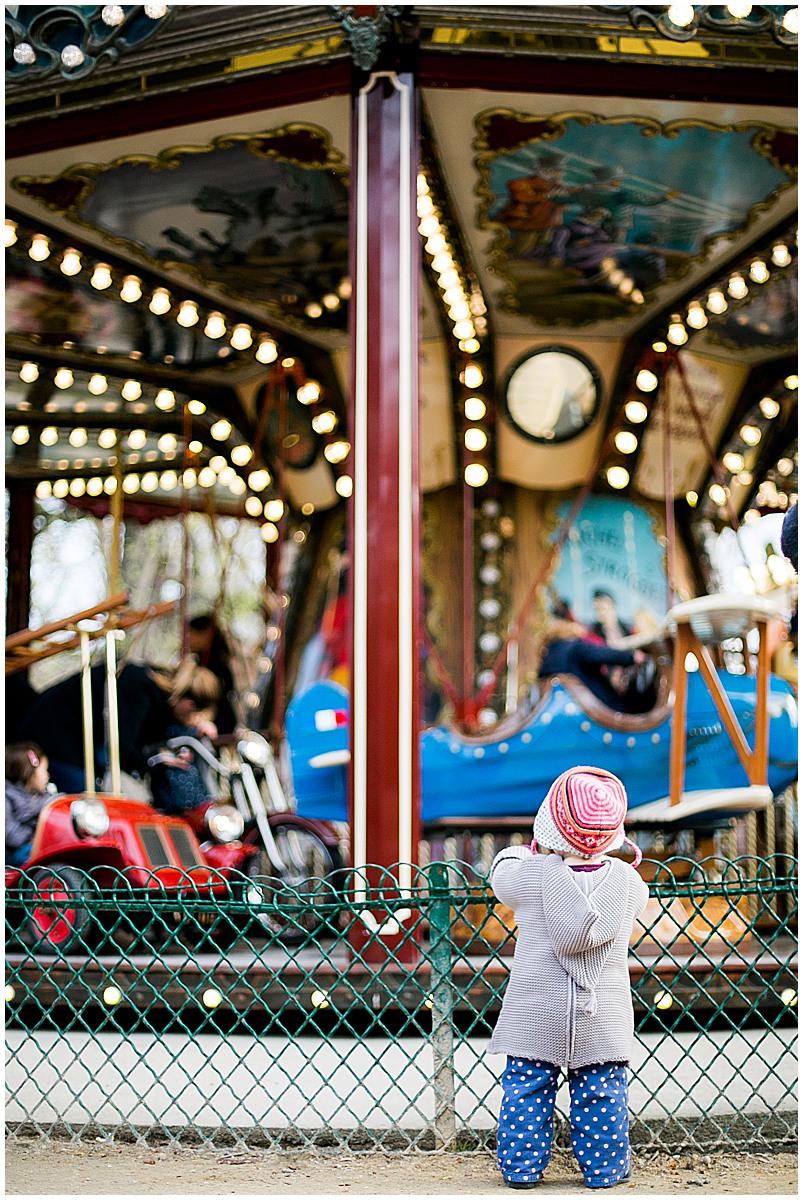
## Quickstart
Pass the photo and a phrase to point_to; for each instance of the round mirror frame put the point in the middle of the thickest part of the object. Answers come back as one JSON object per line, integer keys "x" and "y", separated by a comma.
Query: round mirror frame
{"x": 569, "y": 352}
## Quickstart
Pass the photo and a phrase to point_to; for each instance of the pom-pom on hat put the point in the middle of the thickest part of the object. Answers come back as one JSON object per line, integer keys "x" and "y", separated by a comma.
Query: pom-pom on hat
{"x": 583, "y": 813}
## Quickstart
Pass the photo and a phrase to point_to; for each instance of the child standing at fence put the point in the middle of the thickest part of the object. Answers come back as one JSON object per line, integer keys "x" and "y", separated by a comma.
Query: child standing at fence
{"x": 26, "y": 782}
{"x": 568, "y": 1004}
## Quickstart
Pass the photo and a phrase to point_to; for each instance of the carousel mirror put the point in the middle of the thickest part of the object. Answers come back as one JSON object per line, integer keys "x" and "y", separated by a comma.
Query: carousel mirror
{"x": 552, "y": 394}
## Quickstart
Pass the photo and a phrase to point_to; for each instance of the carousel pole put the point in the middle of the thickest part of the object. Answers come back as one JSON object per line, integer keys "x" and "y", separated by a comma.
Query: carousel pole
{"x": 384, "y": 784}
{"x": 116, "y": 507}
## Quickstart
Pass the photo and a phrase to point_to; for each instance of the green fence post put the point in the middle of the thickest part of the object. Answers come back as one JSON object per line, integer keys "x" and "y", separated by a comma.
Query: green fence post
{"x": 440, "y": 956}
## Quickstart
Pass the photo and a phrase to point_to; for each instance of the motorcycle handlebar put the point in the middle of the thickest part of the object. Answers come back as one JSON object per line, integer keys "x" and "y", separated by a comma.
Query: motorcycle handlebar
{"x": 199, "y": 748}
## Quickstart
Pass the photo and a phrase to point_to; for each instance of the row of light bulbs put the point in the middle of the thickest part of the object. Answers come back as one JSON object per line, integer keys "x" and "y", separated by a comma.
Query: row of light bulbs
{"x": 465, "y": 311}
{"x": 475, "y": 438}
{"x": 241, "y": 336}
{"x": 718, "y": 299}
{"x": 683, "y": 15}
{"x": 72, "y": 55}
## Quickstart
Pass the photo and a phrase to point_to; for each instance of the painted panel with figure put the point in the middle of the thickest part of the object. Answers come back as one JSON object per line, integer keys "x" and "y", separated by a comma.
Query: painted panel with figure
{"x": 592, "y": 214}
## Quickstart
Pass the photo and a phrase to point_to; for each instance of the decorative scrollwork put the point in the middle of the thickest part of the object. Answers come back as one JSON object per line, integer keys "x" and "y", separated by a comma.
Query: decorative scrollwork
{"x": 682, "y": 22}
{"x": 366, "y": 34}
{"x": 73, "y": 40}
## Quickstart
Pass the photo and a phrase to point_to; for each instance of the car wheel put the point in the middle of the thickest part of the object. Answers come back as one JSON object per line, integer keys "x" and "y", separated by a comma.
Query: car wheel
{"x": 57, "y": 919}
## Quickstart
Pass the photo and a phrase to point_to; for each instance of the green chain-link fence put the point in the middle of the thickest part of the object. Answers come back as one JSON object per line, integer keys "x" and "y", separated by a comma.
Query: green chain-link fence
{"x": 352, "y": 1016}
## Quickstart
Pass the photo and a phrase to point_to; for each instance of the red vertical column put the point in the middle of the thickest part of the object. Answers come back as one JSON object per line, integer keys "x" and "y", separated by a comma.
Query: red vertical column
{"x": 385, "y": 511}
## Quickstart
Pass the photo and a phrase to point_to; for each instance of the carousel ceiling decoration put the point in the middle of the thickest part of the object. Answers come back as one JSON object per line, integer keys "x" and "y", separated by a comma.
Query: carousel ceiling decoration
{"x": 72, "y": 40}
{"x": 259, "y": 217}
{"x": 683, "y": 22}
{"x": 591, "y": 215}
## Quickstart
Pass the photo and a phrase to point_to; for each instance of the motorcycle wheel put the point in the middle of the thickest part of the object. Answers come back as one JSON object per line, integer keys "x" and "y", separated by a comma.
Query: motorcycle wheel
{"x": 311, "y": 876}
{"x": 57, "y": 919}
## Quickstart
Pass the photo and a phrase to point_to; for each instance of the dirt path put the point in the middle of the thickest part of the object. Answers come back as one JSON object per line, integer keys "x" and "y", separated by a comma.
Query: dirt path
{"x": 48, "y": 1169}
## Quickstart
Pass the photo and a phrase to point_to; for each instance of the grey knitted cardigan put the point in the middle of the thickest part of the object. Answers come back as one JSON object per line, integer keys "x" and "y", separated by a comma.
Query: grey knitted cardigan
{"x": 568, "y": 999}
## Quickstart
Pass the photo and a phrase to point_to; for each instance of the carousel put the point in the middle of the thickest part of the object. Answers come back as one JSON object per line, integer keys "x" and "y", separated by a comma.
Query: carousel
{"x": 445, "y": 361}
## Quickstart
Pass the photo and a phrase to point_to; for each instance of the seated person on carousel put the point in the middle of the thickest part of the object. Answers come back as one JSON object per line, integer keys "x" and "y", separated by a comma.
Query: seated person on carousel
{"x": 569, "y": 649}
{"x": 150, "y": 700}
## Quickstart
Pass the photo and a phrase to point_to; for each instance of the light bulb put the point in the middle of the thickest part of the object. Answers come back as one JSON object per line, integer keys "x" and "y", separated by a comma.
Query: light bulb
{"x": 49, "y": 435}
{"x": 469, "y": 345}
{"x": 780, "y": 255}
{"x": 472, "y": 377}
{"x": 206, "y": 477}
{"x": 241, "y": 337}
{"x": 241, "y": 454}
{"x": 187, "y": 314}
{"x": 475, "y": 475}
{"x": 78, "y": 437}
{"x": 732, "y": 461}
{"x": 695, "y": 317}
{"x": 718, "y": 494}
{"x": 40, "y": 248}
{"x": 474, "y": 408}
{"x": 791, "y": 20}
{"x": 269, "y": 532}
{"x": 739, "y": 10}
{"x": 769, "y": 407}
{"x": 266, "y": 351}
{"x": 165, "y": 399}
{"x": 137, "y": 439}
{"x": 131, "y": 289}
{"x": 676, "y": 333}
{"x": 324, "y": 422}
{"x": 101, "y": 277}
{"x": 149, "y": 481}
{"x": 107, "y": 438}
{"x": 618, "y": 477}
{"x": 131, "y": 390}
{"x": 29, "y": 372}
{"x": 167, "y": 442}
{"x": 463, "y": 329}
{"x": 636, "y": 412}
{"x": 716, "y": 302}
{"x": 626, "y": 441}
{"x": 691, "y": 499}
{"x": 737, "y": 287}
{"x": 646, "y": 381}
{"x": 70, "y": 262}
{"x": 791, "y": 382}
{"x": 309, "y": 392}
{"x": 20, "y": 435}
{"x": 336, "y": 452}
{"x": 681, "y": 15}
{"x": 758, "y": 271}
{"x": 258, "y": 480}
{"x": 160, "y": 302}
{"x": 253, "y": 506}
{"x": 344, "y": 486}
{"x": 11, "y": 233}
{"x": 475, "y": 439}
{"x": 274, "y": 510}
{"x": 221, "y": 430}
{"x": 314, "y": 310}
{"x": 63, "y": 378}
{"x": 196, "y": 407}
{"x": 97, "y": 384}
{"x": 750, "y": 435}
{"x": 215, "y": 325}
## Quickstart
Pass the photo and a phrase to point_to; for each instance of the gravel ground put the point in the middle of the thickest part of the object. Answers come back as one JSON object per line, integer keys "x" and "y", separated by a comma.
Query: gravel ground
{"x": 65, "y": 1169}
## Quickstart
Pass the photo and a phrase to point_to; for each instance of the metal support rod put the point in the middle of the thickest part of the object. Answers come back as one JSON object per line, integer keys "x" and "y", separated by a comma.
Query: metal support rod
{"x": 442, "y": 1038}
{"x": 512, "y": 681}
{"x": 112, "y": 714}
{"x": 86, "y": 706}
{"x": 116, "y": 506}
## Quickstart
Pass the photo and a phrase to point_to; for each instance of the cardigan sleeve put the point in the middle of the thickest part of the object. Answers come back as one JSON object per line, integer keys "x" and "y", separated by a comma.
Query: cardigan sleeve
{"x": 514, "y": 874}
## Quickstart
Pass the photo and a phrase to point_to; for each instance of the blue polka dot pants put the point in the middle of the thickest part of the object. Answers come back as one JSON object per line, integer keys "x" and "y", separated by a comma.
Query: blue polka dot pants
{"x": 599, "y": 1121}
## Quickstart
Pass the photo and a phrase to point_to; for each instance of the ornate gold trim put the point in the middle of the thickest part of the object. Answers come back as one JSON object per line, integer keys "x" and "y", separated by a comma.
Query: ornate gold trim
{"x": 484, "y": 156}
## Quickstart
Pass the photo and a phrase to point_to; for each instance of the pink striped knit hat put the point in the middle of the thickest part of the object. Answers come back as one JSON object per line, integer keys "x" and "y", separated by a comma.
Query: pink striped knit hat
{"x": 584, "y": 813}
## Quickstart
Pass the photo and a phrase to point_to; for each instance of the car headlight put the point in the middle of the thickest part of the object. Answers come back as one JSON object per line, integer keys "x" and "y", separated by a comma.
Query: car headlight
{"x": 89, "y": 817}
{"x": 255, "y": 749}
{"x": 224, "y": 823}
